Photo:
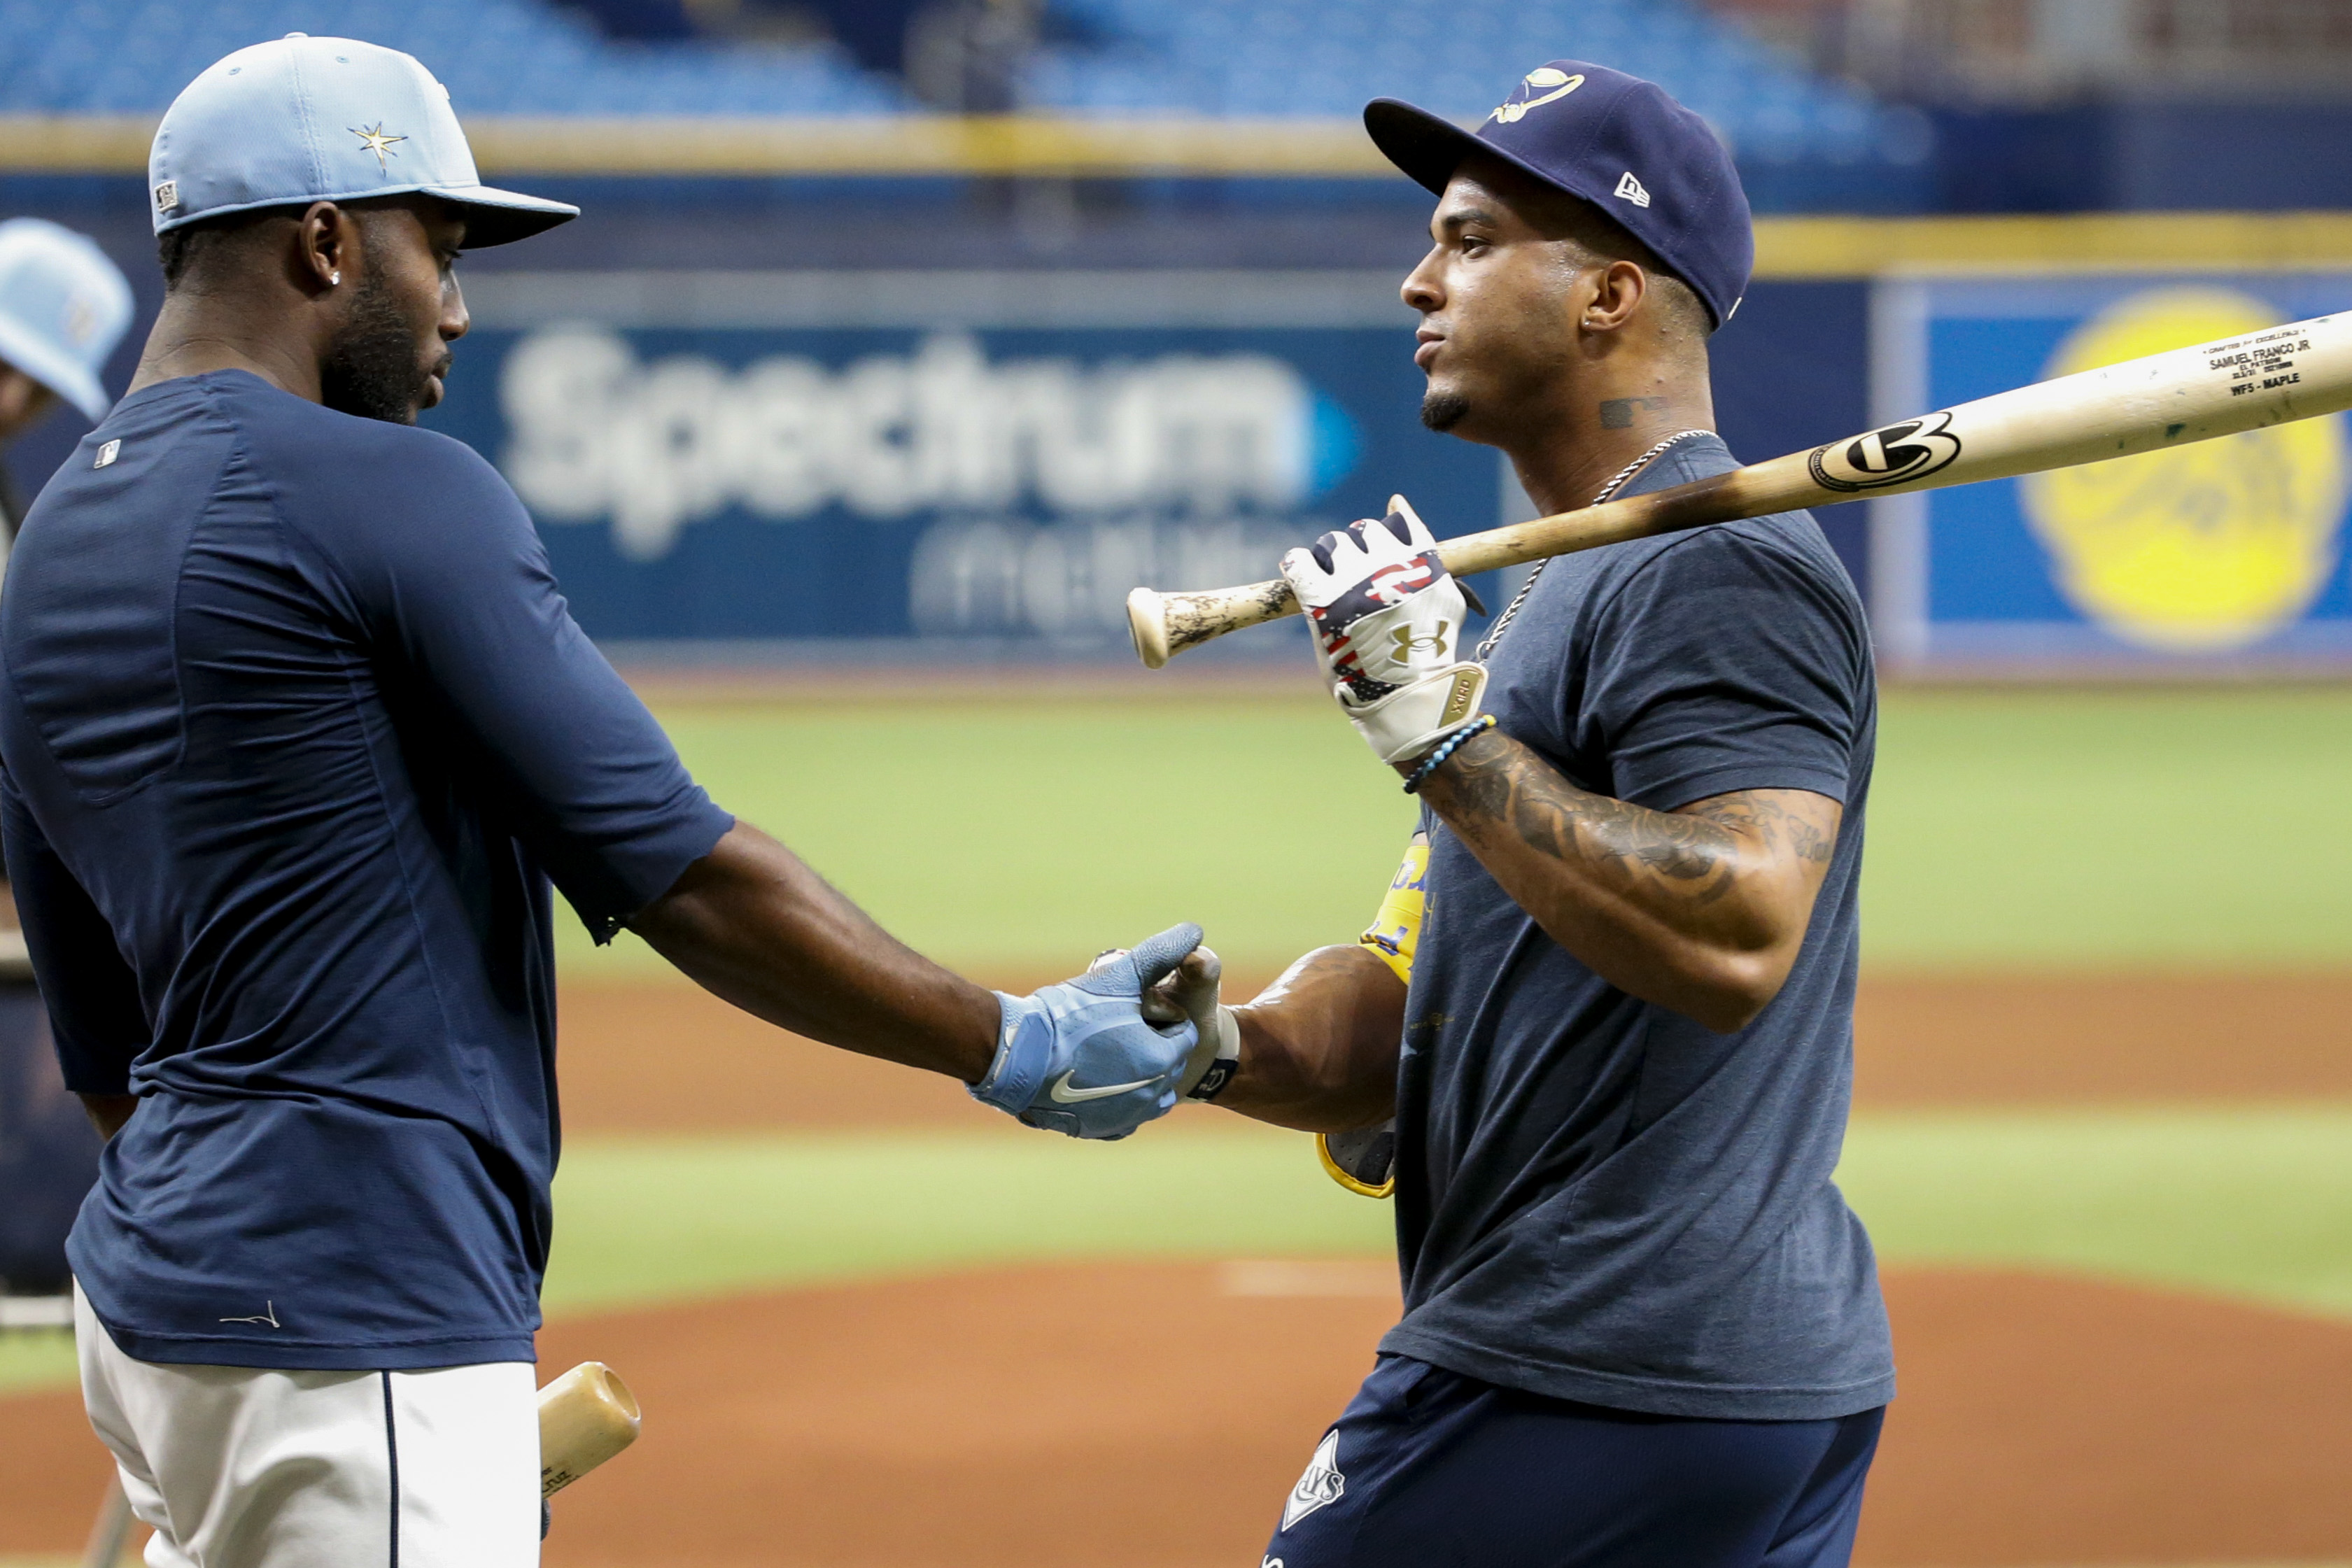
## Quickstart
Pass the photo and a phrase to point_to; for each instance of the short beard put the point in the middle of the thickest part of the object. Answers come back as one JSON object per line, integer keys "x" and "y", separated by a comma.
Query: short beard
{"x": 371, "y": 371}
{"x": 1441, "y": 410}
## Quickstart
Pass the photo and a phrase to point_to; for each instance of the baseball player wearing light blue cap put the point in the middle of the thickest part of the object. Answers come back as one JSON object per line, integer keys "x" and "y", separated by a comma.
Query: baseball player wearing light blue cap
{"x": 63, "y": 308}
{"x": 299, "y": 737}
{"x": 304, "y": 120}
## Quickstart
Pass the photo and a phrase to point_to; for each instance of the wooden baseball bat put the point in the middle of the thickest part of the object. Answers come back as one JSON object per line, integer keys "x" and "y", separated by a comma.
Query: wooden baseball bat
{"x": 585, "y": 1417}
{"x": 2296, "y": 372}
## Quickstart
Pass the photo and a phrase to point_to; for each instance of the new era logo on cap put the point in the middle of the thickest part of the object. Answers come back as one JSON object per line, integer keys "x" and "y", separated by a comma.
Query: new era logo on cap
{"x": 167, "y": 195}
{"x": 1629, "y": 188}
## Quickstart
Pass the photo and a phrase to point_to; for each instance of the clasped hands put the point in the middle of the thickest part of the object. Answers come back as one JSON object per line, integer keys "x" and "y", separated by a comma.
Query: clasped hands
{"x": 1101, "y": 1054}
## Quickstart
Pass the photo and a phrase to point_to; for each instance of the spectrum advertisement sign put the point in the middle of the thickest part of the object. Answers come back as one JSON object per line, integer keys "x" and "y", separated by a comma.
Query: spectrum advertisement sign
{"x": 834, "y": 462}
{"x": 2225, "y": 553}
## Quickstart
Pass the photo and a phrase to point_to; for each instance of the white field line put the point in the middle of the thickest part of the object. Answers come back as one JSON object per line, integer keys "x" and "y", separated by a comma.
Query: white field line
{"x": 1372, "y": 1277}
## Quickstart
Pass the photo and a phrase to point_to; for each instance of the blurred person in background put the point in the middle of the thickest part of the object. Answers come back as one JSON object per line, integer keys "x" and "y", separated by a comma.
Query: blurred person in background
{"x": 63, "y": 308}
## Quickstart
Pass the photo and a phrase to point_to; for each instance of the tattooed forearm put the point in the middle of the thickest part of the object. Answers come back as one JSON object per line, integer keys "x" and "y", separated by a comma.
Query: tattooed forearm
{"x": 1496, "y": 777}
{"x": 1701, "y": 909}
{"x": 1771, "y": 823}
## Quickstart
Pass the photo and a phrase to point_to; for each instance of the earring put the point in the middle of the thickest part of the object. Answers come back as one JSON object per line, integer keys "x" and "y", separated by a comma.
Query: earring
{"x": 333, "y": 278}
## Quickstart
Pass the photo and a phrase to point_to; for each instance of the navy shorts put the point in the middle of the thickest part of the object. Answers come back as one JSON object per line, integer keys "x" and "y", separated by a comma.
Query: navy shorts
{"x": 1428, "y": 1469}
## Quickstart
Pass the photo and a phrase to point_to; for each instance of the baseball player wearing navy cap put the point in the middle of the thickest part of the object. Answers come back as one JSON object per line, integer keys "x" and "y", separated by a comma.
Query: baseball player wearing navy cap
{"x": 1597, "y": 1045}
{"x": 298, "y": 732}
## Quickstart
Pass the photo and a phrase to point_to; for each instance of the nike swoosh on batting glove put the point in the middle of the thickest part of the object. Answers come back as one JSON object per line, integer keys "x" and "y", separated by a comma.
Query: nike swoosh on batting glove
{"x": 1080, "y": 1058}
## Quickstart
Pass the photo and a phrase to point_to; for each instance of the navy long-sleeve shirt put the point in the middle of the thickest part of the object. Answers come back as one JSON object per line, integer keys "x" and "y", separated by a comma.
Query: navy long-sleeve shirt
{"x": 296, "y": 731}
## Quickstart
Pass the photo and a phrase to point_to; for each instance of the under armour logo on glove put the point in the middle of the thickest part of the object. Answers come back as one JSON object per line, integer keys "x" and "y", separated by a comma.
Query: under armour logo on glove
{"x": 1434, "y": 643}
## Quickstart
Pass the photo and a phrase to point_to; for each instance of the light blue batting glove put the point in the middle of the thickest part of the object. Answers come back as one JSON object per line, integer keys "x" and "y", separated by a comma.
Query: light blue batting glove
{"x": 1079, "y": 1058}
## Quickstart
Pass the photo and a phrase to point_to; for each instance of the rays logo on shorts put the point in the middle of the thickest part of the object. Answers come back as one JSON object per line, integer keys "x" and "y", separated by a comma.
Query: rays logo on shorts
{"x": 1321, "y": 1485}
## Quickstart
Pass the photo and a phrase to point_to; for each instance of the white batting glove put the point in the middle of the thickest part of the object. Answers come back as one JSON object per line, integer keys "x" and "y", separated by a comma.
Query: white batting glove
{"x": 1387, "y": 619}
{"x": 1192, "y": 993}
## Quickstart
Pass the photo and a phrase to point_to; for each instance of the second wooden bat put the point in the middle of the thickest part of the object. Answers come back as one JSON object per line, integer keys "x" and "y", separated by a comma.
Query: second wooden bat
{"x": 585, "y": 1417}
{"x": 2296, "y": 372}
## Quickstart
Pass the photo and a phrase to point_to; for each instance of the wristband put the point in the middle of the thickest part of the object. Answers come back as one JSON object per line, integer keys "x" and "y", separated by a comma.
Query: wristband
{"x": 1224, "y": 1065}
{"x": 1446, "y": 748}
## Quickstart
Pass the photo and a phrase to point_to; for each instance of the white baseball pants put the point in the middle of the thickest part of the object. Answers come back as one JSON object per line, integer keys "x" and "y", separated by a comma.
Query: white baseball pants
{"x": 239, "y": 1467}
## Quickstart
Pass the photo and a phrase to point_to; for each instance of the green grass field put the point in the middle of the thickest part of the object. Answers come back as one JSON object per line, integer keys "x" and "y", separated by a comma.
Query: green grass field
{"x": 2251, "y": 1203}
{"x": 2058, "y": 830}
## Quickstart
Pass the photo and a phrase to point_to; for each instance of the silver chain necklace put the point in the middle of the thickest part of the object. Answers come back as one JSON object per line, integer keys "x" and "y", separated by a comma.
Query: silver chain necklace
{"x": 1510, "y": 612}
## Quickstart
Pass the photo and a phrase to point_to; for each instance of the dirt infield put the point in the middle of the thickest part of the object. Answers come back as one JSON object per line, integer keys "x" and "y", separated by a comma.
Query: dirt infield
{"x": 666, "y": 1057}
{"x": 2044, "y": 1421}
{"x": 1164, "y": 1409}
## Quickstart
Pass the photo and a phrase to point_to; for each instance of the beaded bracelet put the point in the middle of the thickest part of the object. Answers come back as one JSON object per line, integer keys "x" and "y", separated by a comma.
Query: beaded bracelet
{"x": 1446, "y": 748}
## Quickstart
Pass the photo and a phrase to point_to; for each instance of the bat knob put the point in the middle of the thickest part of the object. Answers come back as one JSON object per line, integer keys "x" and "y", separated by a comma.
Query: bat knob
{"x": 1146, "y": 623}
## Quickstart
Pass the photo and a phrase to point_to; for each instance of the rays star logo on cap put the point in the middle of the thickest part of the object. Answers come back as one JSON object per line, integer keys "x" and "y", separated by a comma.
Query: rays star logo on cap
{"x": 1545, "y": 79}
{"x": 264, "y": 127}
{"x": 374, "y": 140}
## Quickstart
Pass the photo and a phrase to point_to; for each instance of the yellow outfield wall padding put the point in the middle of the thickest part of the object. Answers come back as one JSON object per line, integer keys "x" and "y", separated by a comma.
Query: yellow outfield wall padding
{"x": 717, "y": 144}
{"x": 1826, "y": 248}
{"x": 936, "y": 145}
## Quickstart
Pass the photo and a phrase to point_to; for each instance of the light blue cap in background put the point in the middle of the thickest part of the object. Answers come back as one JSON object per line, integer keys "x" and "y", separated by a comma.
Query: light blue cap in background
{"x": 63, "y": 307}
{"x": 305, "y": 119}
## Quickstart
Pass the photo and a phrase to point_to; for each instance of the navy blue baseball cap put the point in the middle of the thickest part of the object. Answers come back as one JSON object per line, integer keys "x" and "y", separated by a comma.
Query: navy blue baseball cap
{"x": 1614, "y": 141}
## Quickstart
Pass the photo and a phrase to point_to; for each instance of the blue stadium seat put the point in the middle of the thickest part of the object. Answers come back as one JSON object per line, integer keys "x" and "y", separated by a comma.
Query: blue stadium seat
{"x": 498, "y": 56}
{"x": 1255, "y": 57}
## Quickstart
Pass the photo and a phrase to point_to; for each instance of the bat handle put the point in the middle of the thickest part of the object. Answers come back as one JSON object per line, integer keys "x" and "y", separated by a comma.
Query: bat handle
{"x": 1164, "y": 624}
{"x": 585, "y": 1417}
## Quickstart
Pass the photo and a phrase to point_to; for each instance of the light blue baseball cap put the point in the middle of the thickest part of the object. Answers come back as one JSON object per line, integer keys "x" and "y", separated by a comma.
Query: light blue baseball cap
{"x": 305, "y": 119}
{"x": 63, "y": 307}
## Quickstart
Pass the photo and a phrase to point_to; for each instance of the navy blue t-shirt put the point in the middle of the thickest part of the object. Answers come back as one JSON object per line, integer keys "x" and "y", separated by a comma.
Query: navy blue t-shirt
{"x": 297, "y": 729}
{"x": 1597, "y": 1198}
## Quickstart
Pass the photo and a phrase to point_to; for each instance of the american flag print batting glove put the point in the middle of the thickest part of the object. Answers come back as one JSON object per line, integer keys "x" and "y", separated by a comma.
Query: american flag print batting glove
{"x": 1387, "y": 622}
{"x": 1081, "y": 1059}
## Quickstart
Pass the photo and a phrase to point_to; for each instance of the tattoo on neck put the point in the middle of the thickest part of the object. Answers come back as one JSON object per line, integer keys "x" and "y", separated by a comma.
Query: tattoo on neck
{"x": 1617, "y": 412}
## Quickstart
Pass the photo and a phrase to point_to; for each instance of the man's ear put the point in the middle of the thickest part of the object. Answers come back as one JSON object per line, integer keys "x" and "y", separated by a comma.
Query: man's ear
{"x": 1618, "y": 289}
{"x": 325, "y": 241}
